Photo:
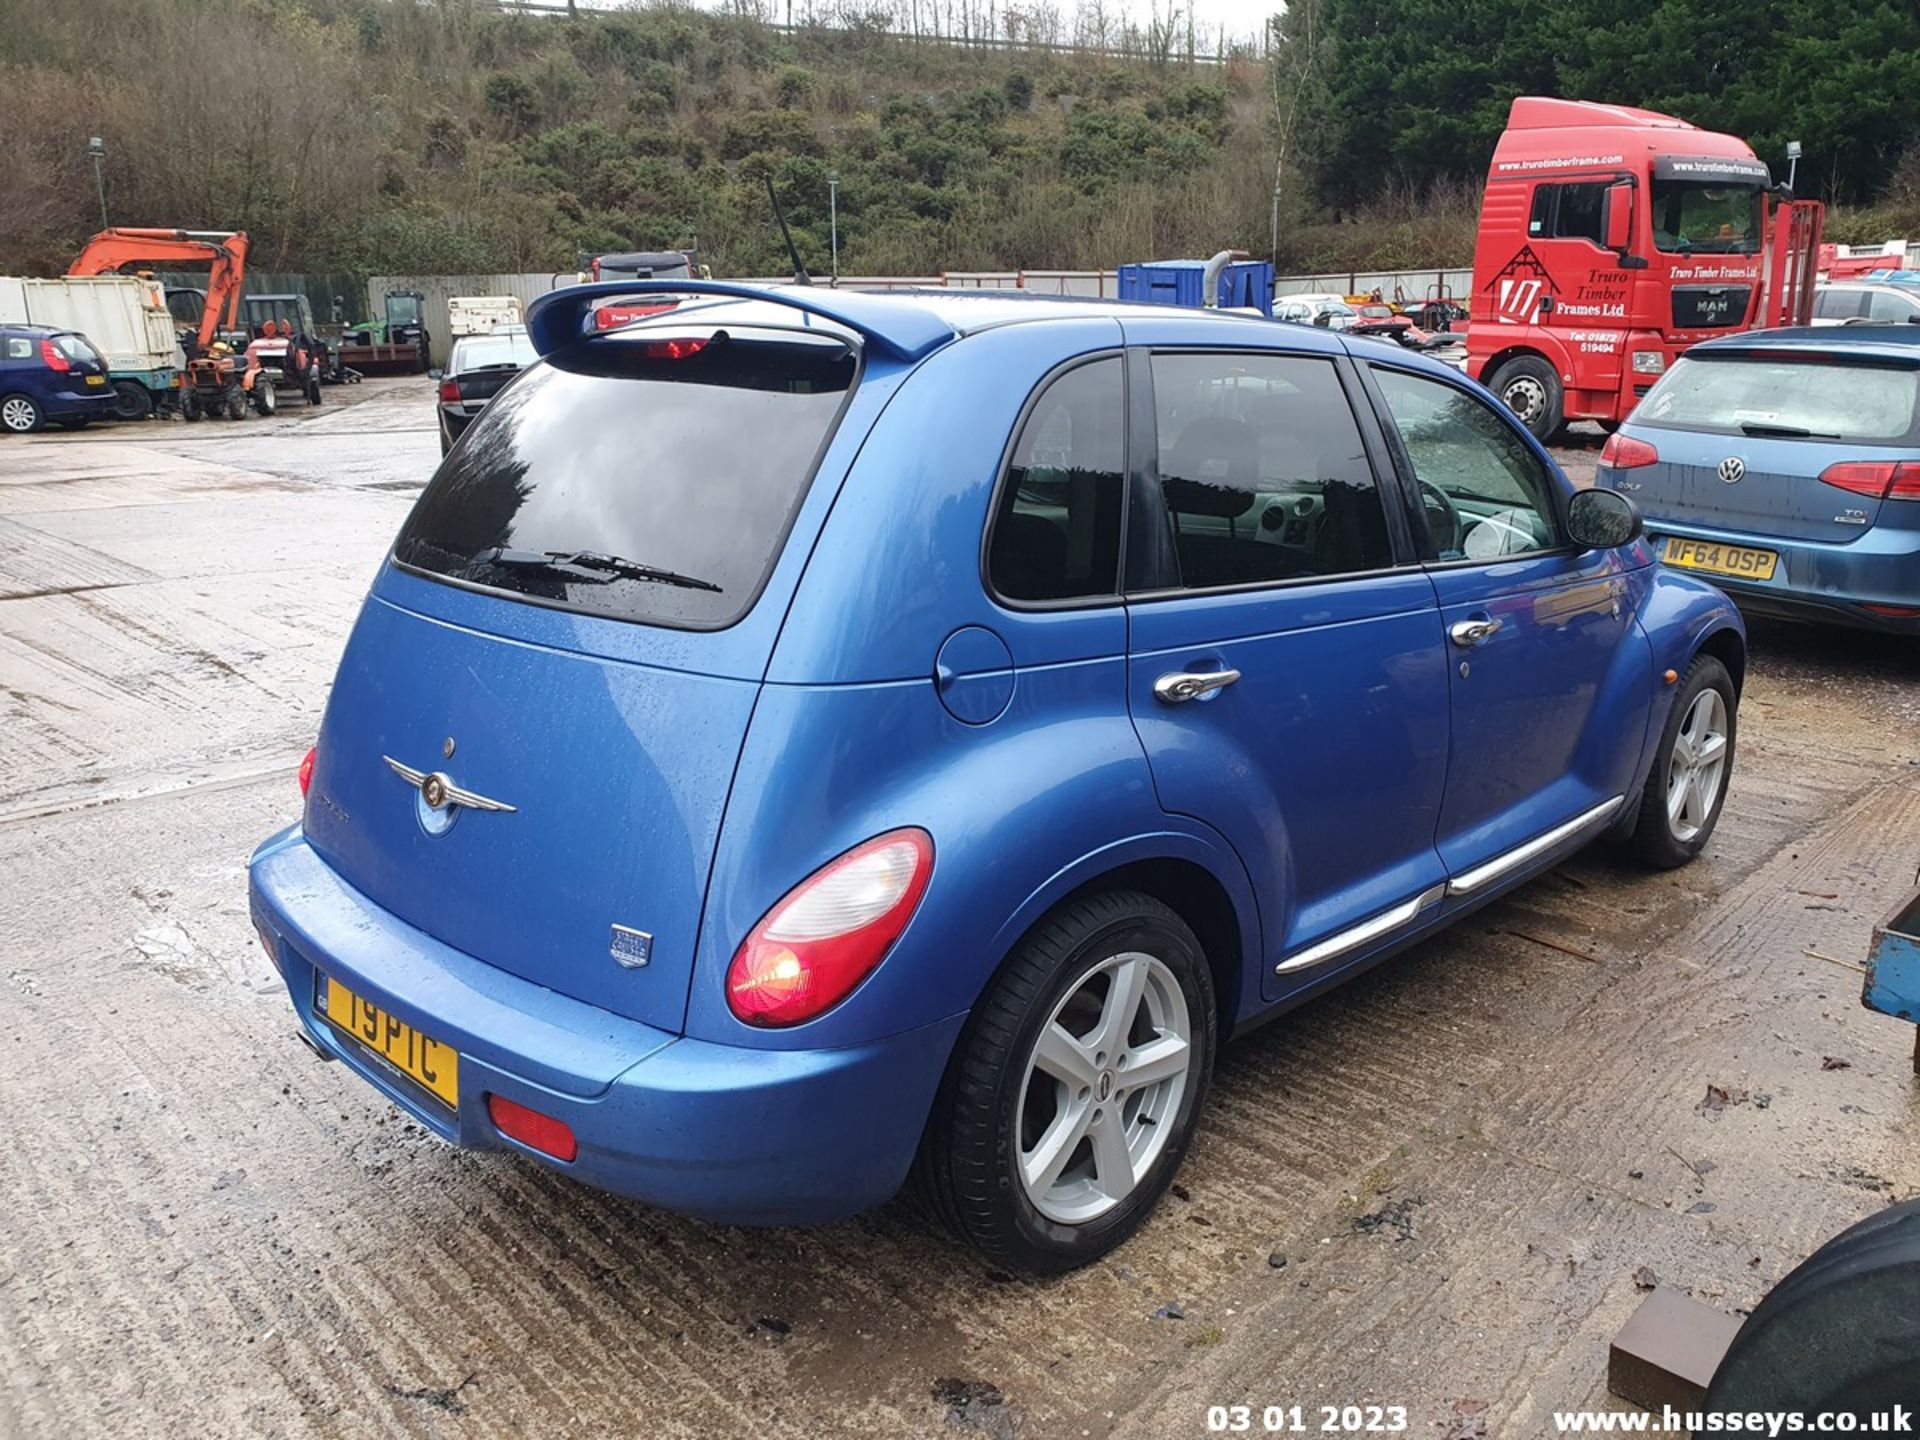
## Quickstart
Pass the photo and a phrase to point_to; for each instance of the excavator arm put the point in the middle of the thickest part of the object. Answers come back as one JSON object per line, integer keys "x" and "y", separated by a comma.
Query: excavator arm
{"x": 224, "y": 253}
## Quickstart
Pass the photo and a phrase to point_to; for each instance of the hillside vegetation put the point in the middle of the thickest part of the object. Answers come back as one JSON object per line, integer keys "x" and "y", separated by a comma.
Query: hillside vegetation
{"x": 422, "y": 136}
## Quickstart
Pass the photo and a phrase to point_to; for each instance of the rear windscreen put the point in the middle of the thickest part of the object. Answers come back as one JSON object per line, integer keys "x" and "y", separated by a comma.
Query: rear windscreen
{"x": 649, "y": 475}
{"x": 1785, "y": 397}
{"x": 484, "y": 351}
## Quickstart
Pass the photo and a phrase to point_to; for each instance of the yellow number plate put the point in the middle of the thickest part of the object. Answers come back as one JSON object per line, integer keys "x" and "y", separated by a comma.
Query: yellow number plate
{"x": 96, "y": 379}
{"x": 1734, "y": 560}
{"x": 428, "y": 1063}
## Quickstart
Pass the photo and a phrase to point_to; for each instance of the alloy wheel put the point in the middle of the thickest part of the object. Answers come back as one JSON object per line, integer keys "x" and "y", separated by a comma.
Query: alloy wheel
{"x": 1698, "y": 766}
{"x": 17, "y": 415}
{"x": 1103, "y": 1087}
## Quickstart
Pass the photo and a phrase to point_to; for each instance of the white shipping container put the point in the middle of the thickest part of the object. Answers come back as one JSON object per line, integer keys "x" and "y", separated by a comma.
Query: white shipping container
{"x": 124, "y": 316}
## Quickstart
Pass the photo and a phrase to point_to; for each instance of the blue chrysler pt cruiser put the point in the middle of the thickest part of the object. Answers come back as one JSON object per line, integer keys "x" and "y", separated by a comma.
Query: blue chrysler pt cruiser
{"x": 804, "y": 740}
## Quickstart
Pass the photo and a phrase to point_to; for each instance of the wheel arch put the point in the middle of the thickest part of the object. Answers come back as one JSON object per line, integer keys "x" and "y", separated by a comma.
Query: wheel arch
{"x": 1538, "y": 348}
{"x": 1727, "y": 646}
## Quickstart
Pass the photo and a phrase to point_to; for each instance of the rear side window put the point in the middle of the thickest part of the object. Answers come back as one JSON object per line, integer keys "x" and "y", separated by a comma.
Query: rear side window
{"x": 19, "y": 348}
{"x": 1785, "y": 396}
{"x": 1889, "y": 307}
{"x": 642, "y": 476}
{"x": 1057, "y": 533}
{"x": 1839, "y": 304}
{"x": 1263, "y": 471}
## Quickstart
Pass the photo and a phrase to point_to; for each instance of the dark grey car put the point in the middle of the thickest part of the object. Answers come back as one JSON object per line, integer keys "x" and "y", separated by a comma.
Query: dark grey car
{"x": 479, "y": 366}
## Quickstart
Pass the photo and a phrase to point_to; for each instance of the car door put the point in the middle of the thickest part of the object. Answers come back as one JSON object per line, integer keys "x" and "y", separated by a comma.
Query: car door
{"x": 1286, "y": 674}
{"x": 1550, "y": 680}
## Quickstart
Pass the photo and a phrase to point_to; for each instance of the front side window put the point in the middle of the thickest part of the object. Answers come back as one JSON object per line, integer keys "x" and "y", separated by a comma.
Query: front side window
{"x": 1263, "y": 471}
{"x": 1056, "y": 535}
{"x": 1484, "y": 493}
{"x": 640, "y": 476}
{"x": 1890, "y": 307}
{"x": 1570, "y": 212}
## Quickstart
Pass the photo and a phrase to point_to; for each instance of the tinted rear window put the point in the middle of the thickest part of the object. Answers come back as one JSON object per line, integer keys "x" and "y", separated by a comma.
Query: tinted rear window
{"x": 1830, "y": 401}
{"x": 692, "y": 465}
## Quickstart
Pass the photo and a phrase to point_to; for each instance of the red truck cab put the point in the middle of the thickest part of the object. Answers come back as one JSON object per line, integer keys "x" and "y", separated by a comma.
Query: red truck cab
{"x": 1610, "y": 240}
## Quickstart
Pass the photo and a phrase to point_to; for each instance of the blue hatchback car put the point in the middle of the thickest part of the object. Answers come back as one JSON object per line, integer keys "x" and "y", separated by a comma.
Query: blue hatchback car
{"x": 1785, "y": 464}
{"x": 809, "y": 737}
{"x": 49, "y": 374}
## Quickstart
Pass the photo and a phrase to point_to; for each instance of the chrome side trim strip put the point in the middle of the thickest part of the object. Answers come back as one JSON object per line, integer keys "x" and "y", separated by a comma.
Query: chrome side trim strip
{"x": 1482, "y": 876}
{"x": 1367, "y": 931}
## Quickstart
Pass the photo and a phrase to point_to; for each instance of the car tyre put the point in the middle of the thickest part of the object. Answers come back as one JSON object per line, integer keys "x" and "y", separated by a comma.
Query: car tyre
{"x": 1692, "y": 767}
{"x": 1530, "y": 388}
{"x": 1038, "y": 1152}
{"x": 1839, "y": 1335}
{"x": 21, "y": 414}
{"x": 131, "y": 400}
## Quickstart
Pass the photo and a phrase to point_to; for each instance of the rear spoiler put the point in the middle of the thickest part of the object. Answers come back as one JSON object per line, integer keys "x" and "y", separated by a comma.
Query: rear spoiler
{"x": 897, "y": 327}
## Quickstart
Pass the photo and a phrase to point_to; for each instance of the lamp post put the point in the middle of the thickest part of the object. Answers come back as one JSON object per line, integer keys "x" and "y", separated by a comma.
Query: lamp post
{"x": 97, "y": 149}
{"x": 833, "y": 219}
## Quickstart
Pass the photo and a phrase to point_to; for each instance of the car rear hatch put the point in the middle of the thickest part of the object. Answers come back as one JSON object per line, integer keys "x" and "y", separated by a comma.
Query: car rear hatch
{"x": 568, "y": 630}
{"x": 1744, "y": 436}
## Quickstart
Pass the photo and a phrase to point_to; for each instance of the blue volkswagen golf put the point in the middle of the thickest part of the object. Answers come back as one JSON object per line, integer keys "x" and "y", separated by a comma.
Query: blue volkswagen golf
{"x": 1786, "y": 465}
{"x": 808, "y": 739}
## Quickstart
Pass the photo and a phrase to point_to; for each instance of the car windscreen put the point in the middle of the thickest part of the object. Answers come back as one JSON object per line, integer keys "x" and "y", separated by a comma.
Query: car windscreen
{"x": 493, "y": 351}
{"x": 1819, "y": 397}
{"x": 1690, "y": 218}
{"x": 649, "y": 475}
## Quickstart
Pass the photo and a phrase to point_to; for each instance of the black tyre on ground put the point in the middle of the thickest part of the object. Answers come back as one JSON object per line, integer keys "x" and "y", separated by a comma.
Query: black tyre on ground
{"x": 1687, "y": 785}
{"x": 73, "y": 424}
{"x": 266, "y": 396}
{"x": 313, "y": 386}
{"x": 1072, "y": 1093}
{"x": 235, "y": 406}
{"x": 1530, "y": 387}
{"x": 20, "y": 414}
{"x": 131, "y": 400}
{"x": 190, "y": 408}
{"x": 1840, "y": 1335}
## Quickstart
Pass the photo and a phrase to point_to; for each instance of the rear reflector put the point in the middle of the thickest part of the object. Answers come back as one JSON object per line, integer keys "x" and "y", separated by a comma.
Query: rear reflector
{"x": 532, "y": 1129}
{"x": 1624, "y": 452}
{"x": 1876, "y": 479}
{"x": 1892, "y": 612}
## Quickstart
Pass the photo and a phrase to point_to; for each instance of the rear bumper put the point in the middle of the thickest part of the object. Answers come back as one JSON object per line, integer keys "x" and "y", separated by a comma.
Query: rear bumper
{"x": 1820, "y": 581}
{"x": 96, "y": 402}
{"x": 725, "y": 1133}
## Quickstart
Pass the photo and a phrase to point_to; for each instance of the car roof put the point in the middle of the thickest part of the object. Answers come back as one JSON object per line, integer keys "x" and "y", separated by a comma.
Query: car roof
{"x": 48, "y": 331}
{"x": 1886, "y": 342}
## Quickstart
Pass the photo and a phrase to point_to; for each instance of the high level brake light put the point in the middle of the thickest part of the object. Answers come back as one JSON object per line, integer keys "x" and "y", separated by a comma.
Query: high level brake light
{"x": 1624, "y": 452}
{"x": 829, "y": 932}
{"x": 1875, "y": 479}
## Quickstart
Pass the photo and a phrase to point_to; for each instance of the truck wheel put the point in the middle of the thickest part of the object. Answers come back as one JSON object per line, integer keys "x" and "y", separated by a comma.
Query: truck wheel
{"x": 1839, "y": 1335}
{"x": 1072, "y": 1093}
{"x": 1691, "y": 769}
{"x": 1528, "y": 386}
{"x": 20, "y": 414}
{"x": 131, "y": 400}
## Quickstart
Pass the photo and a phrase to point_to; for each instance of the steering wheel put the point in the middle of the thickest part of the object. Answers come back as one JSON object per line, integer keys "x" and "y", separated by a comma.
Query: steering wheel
{"x": 1435, "y": 501}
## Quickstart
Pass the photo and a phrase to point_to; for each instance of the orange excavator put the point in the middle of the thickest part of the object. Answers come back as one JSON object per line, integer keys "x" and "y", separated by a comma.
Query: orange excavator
{"x": 217, "y": 381}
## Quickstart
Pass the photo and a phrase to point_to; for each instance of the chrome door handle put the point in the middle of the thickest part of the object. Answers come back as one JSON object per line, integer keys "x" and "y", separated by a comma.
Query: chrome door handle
{"x": 1475, "y": 632}
{"x": 1184, "y": 685}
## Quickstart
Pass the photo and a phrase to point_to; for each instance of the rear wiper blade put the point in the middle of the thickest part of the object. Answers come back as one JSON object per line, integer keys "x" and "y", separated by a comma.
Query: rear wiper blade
{"x": 592, "y": 567}
{"x": 1783, "y": 432}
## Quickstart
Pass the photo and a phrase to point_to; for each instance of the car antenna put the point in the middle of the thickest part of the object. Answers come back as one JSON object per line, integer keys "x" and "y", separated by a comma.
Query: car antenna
{"x": 800, "y": 275}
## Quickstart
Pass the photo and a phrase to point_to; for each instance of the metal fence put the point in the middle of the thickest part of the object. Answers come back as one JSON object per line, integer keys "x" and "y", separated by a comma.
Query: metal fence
{"x": 438, "y": 289}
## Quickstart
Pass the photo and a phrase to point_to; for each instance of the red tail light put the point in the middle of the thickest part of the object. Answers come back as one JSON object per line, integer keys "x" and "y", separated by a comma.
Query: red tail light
{"x": 50, "y": 353}
{"x": 1624, "y": 452}
{"x": 674, "y": 349}
{"x": 306, "y": 770}
{"x": 532, "y": 1129}
{"x": 450, "y": 392}
{"x": 1876, "y": 479}
{"x": 829, "y": 932}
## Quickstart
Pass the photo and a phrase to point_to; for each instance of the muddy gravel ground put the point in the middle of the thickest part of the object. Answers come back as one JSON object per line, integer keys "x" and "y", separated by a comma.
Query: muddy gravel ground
{"x": 1435, "y": 1188}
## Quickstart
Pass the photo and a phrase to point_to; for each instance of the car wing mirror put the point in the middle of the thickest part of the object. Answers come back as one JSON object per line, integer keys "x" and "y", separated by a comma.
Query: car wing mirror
{"x": 1603, "y": 519}
{"x": 435, "y": 373}
{"x": 1618, "y": 225}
